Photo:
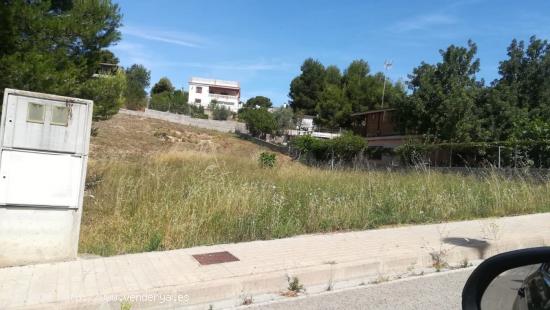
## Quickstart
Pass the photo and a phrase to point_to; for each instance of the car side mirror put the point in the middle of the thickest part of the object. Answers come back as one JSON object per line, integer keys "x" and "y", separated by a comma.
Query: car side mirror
{"x": 513, "y": 280}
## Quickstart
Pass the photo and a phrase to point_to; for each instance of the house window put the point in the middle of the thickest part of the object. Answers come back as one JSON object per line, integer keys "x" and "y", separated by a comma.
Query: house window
{"x": 35, "y": 113}
{"x": 197, "y": 100}
{"x": 60, "y": 116}
{"x": 199, "y": 90}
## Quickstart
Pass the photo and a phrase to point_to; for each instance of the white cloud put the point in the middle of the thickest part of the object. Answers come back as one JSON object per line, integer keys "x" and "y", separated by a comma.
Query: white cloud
{"x": 166, "y": 36}
{"x": 424, "y": 22}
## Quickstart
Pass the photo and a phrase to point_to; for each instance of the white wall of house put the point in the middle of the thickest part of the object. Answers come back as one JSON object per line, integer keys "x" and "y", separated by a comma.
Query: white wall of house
{"x": 200, "y": 93}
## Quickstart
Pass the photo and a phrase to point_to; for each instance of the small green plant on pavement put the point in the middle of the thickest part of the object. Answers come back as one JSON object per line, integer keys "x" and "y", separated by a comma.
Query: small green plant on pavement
{"x": 125, "y": 305}
{"x": 439, "y": 261}
{"x": 295, "y": 286}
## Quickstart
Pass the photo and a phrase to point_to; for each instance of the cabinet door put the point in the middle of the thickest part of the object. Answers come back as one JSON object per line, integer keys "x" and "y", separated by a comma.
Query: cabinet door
{"x": 47, "y": 125}
{"x": 40, "y": 179}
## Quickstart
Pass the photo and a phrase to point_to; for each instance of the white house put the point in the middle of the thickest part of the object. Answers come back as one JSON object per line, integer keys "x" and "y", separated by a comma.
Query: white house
{"x": 203, "y": 91}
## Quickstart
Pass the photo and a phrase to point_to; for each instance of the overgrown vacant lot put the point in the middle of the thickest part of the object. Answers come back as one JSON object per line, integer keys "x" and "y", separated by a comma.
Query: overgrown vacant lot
{"x": 153, "y": 185}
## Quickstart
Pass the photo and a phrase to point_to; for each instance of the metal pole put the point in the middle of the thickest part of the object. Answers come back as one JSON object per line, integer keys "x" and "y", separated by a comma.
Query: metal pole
{"x": 387, "y": 66}
{"x": 499, "y": 157}
{"x": 383, "y": 92}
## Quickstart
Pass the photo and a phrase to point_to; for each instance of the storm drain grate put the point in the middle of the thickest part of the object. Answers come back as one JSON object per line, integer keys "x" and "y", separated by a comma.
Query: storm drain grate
{"x": 215, "y": 258}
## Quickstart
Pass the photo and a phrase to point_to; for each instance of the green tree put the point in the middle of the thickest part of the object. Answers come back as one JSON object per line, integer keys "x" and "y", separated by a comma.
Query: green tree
{"x": 219, "y": 112}
{"x": 47, "y": 47}
{"x": 343, "y": 148}
{"x": 180, "y": 103}
{"x": 258, "y": 102}
{"x": 363, "y": 91}
{"x": 174, "y": 102}
{"x": 163, "y": 85}
{"x": 161, "y": 102}
{"x": 259, "y": 122}
{"x": 522, "y": 93}
{"x": 284, "y": 117}
{"x": 306, "y": 89}
{"x": 138, "y": 78}
{"x": 501, "y": 116}
{"x": 106, "y": 92}
{"x": 333, "y": 109}
{"x": 355, "y": 85}
{"x": 333, "y": 76}
{"x": 525, "y": 77}
{"x": 108, "y": 57}
{"x": 444, "y": 97}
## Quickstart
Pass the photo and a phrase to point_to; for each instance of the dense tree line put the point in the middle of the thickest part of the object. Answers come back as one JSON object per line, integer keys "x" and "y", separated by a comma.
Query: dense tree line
{"x": 332, "y": 96}
{"x": 446, "y": 101}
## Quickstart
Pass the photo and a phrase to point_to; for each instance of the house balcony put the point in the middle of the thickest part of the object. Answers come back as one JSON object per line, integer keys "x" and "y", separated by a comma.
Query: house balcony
{"x": 224, "y": 97}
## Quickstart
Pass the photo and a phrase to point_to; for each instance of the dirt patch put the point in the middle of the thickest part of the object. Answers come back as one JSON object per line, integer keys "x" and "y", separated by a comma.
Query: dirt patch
{"x": 126, "y": 135}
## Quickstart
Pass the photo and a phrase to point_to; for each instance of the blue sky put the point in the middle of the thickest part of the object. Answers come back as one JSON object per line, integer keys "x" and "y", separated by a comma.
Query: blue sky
{"x": 262, "y": 43}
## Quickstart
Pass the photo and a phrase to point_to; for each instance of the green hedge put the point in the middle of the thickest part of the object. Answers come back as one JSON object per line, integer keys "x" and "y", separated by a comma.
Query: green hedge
{"x": 344, "y": 148}
{"x": 477, "y": 154}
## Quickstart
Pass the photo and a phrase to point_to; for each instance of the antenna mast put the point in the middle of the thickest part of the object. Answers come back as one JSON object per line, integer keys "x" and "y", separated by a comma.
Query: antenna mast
{"x": 387, "y": 66}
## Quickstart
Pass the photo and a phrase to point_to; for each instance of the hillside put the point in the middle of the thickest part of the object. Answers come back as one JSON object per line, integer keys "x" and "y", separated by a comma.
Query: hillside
{"x": 154, "y": 185}
{"x": 126, "y": 135}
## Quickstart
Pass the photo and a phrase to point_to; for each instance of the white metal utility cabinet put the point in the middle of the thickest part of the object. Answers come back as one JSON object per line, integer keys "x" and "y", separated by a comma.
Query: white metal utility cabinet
{"x": 44, "y": 141}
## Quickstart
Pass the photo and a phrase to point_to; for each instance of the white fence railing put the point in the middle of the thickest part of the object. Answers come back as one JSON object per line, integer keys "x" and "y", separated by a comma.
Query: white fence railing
{"x": 316, "y": 134}
{"x": 235, "y": 99}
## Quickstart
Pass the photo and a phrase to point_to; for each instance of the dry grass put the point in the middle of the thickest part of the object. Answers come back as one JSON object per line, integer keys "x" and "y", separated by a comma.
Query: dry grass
{"x": 126, "y": 136}
{"x": 151, "y": 192}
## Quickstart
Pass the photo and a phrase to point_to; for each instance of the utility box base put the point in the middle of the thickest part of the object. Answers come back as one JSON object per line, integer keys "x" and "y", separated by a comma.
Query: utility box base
{"x": 37, "y": 235}
{"x": 44, "y": 141}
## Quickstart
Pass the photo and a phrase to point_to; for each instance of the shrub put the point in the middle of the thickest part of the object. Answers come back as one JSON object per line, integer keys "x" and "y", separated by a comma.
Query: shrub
{"x": 164, "y": 85}
{"x": 107, "y": 94}
{"x": 219, "y": 112}
{"x": 160, "y": 102}
{"x": 284, "y": 118}
{"x": 179, "y": 102}
{"x": 197, "y": 112}
{"x": 268, "y": 160}
{"x": 346, "y": 147}
{"x": 138, "y": 79}
{"x": 174, "y": 102}
{"x": 259, "y": 121}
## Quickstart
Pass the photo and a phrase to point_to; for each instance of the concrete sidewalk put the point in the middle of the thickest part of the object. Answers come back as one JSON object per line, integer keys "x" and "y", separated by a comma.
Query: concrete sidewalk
{"x": 174, "y": 279}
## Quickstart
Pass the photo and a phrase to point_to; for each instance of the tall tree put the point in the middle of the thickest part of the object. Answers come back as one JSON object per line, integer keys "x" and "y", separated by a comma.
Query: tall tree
{"x": 355, "y": 85}
{"x": 522, "y": 93}
{"x": 444, "y": 97}
{"x": 333, "y": 109}
{"x": 526, "y": 76}
{"x": 163, "y": 85}
{"x": 306, "y": 89}
{"x": 47, "y": 47}
{"x": 258, "y": 101}
{"x": 259, "y": 122}
{"x": 333, "y": 76}
{"x": 137, "y": 80}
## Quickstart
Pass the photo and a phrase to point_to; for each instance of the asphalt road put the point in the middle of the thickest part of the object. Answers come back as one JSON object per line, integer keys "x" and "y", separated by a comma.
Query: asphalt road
{"x": 434, "y": 291}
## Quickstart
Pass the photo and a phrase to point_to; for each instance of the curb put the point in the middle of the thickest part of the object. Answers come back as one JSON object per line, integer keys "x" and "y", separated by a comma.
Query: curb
{"x": 263, "y": 287}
